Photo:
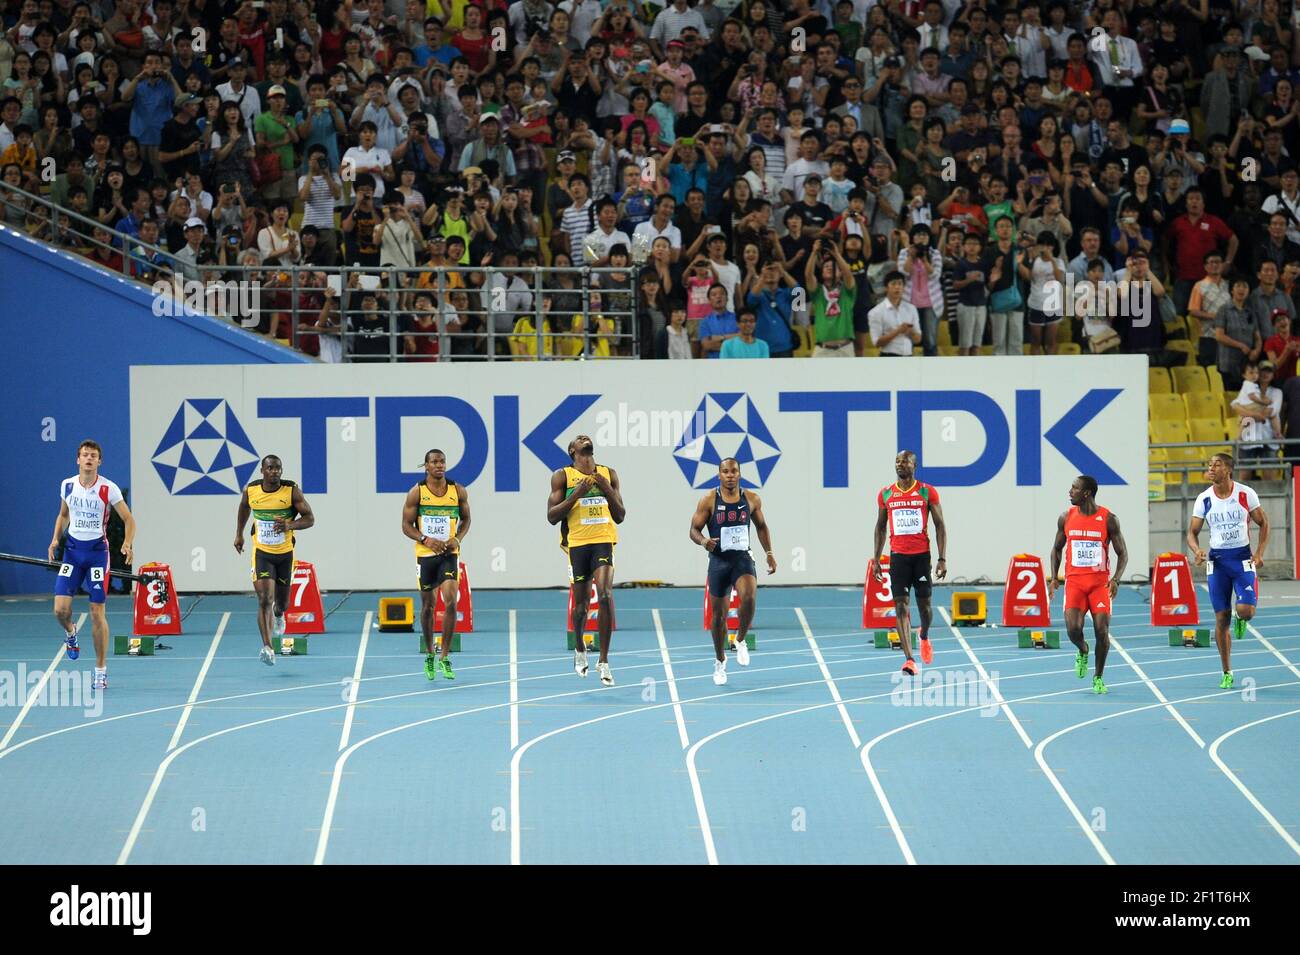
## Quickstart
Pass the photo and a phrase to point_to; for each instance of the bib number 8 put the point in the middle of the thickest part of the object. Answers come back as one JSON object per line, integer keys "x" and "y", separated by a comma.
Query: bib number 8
{"x": 65, "y": 570}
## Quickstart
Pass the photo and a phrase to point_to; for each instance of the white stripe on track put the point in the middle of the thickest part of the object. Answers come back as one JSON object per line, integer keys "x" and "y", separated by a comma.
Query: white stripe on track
{"x": 1241, "y": 787}
{"x": 198, "y": 682}
{"x": 354, "y": 688}
{"x": 35, "y": 694}
{"x": 672, "y": 682}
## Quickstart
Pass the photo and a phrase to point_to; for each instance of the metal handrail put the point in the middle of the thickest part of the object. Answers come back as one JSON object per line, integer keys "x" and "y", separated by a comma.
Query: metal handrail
{"x": 168, "y": 269}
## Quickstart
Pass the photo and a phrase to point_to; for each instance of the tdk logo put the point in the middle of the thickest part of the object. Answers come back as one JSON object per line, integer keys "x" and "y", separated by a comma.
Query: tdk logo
{"x": 204, "y": 450}
{"x": 228, "y": 459}
{"x": 732, "y": 428}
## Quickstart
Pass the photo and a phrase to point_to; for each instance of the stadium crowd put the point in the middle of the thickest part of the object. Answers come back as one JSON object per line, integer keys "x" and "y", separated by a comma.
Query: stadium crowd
{"x": 825, "y": 177}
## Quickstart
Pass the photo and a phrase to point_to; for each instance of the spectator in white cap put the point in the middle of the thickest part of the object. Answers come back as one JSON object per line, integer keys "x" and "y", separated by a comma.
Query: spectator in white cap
{"x": 193, "y": 254}
{"x": 1174, "y": 155}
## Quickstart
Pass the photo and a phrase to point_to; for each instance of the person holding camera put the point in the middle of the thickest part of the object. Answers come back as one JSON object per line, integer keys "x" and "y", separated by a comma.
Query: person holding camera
{"x": 319, "y": 190}
{"x": 151, "y": 94}
{"x": 922, "y": 265}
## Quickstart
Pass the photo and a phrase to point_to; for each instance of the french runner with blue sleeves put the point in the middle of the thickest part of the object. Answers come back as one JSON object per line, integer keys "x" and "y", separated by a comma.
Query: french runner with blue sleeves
{"x": 85, "y": 500}
{"x": 725, "y": 514}
{"x": 1231, "y": 569}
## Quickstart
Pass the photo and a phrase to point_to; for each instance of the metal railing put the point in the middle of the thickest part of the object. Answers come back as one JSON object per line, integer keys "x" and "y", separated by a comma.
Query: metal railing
{"x": 593, "y": 316}
{"x": 1276, "y": 495}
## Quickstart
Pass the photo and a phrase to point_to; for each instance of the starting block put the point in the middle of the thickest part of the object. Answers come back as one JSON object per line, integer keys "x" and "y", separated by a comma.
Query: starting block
{"x": 437, "y": 642}
{"x": 1188, "y": 637}
{"x": 291, "y": 646}
{"x": 133, "y": 646}
{"x": 1039, "y": 639}
{"x": 396, "y": 615}
{"x": 888, "y": 638}
{"x": 969, "y": 608}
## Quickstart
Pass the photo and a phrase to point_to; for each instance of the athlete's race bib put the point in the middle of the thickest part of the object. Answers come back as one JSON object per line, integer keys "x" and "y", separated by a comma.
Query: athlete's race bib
{"x": 86, "y": 524}
{"x": 1209, "y": 567}
{"x": 906, "y": 520}
{"x": 735, "y": 537}
{"x": 592, "y": 507}
{"x": 267, "y": 534}
{"x": 1248, "y": 566}
{"x": 1085, "y": 553}
{"x": 437, "y": 526}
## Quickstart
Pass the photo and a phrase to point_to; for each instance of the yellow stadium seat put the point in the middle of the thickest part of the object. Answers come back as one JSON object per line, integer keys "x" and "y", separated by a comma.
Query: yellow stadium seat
{"x": 1166, "y": 408}
{"x": 945, "y": 337}
{"x": 948, "y": 351}
{"x": 1209, "y": 430}
{"x": 1194, "y": 329}
{"x": 1188, "y": 379}
{"x": 871, "y": 352}
{"x": 1157, "y": 460}
{"x": 1065, "y": 332}
{"x": 1069, "y": 348}
{"x": 804, "y": 344}
{"x": 1188, "y": 350}
{"x": 1164, "y": 431}
{"x": 1204, "y": 404}
{"x": 1216, "y": 380}
{"x": 1158, "y": 381}
{"x": 986, "y": 349}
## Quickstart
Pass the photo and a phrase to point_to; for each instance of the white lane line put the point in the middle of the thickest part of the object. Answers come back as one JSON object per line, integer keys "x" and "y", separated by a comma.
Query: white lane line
{"x": 1074, "y": 810}
{"x": 35, "y": 694}
{"x": 1272, "y": 649}
{"x": 354, "y": 688}
{"x": 1241, "y": 787}
{"x": 826, "y": 676}
{"x": 1156, "y": 690}
{"x": 198, "y": 682}
{"x": 514, "y": 680}
{"x": 672, "y": 683}
{"x": 991, "y": 683}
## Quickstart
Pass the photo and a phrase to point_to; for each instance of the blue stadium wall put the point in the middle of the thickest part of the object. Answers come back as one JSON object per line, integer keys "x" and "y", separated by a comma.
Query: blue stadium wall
{"x": 72, "y": 333}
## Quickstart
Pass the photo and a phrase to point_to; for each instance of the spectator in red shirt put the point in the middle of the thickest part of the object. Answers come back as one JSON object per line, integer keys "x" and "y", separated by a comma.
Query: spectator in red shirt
{"x": 252, "y": 37}
{"x": 421, "y": 330}
{"x": 1282, "y": 348}
{"x": 1191, "y": 237}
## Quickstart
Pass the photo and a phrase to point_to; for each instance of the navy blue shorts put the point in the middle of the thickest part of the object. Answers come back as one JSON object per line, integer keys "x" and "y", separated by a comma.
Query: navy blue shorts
{"x": 725, "y": 571}
{"x": 84, "y": 561}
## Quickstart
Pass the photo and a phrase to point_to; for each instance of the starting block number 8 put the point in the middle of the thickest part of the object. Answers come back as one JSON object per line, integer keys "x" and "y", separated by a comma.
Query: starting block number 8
{"x": 154, "y": 594}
